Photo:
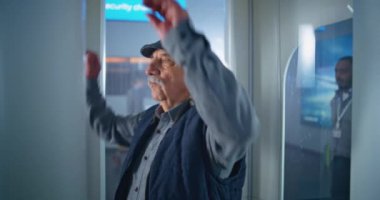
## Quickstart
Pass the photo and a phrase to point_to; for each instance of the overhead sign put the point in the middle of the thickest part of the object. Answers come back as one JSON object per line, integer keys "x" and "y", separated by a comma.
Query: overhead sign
{"x": 129, "y": 10}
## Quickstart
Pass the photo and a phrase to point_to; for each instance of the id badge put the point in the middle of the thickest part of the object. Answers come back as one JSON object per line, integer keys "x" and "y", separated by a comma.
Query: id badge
{"x": 337, "y": 133}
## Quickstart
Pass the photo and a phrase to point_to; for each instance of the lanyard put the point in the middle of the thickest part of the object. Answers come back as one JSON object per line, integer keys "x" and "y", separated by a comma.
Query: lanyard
{"x": 340, "y": 114}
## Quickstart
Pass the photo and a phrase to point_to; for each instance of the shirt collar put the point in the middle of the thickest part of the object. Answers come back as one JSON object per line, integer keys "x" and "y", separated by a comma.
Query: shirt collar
{"x": 174, "y": 113}
{"x": 340, "y": 91}
{"x": 344, "y": 94}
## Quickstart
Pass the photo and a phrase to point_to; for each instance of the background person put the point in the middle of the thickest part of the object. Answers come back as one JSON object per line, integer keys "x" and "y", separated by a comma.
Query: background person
{"x": 341, "y": 133}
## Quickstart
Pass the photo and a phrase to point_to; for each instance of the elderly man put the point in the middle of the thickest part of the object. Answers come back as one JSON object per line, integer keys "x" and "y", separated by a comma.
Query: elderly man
{"x": 192, "y": 144}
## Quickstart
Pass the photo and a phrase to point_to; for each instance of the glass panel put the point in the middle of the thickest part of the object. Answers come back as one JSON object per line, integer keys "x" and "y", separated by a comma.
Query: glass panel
{"x": 127, "y": 92}
{"x": 316, "y": 43}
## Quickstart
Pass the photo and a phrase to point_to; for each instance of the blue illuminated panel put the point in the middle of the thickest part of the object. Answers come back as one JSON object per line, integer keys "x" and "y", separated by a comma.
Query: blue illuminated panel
{"x": 332, "y": 42}
{"x": 129, "y": 10}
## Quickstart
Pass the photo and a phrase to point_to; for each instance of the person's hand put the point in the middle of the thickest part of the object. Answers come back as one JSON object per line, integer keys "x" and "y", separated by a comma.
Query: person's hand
{"x": 92, "y": 65}
{"x": 170, "y": 10}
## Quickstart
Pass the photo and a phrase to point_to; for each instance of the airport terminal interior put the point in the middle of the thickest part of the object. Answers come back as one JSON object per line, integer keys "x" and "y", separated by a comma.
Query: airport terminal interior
{"x": 310, "y": 68}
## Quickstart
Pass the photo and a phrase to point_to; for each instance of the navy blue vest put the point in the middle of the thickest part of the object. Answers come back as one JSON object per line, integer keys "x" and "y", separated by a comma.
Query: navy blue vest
{"x": 181, "y": 168}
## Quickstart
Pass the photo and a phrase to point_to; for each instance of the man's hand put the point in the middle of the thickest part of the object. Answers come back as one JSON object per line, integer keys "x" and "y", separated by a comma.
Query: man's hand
{"x": 170, "y": 10}
{"x": 92, "y": 65}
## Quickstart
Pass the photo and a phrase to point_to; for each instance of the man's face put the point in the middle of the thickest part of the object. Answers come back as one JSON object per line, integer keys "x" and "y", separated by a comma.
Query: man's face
{"x": 165, "y": 78}
{"x": 343, "y": 74}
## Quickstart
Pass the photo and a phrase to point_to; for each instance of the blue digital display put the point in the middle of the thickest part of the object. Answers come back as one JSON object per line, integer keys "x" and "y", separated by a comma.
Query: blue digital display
{"x": 332, "y": 42}
{"x": 129, "y": 10}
